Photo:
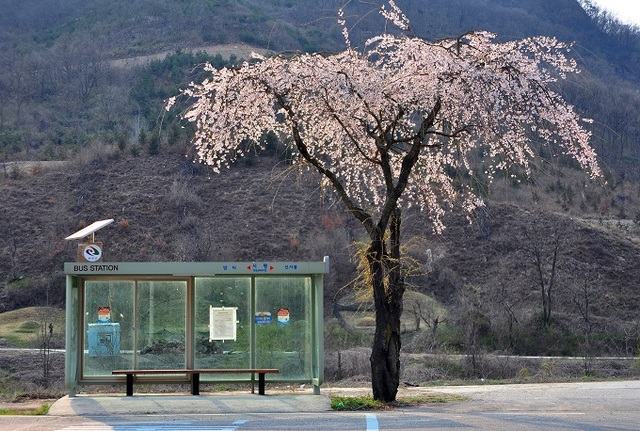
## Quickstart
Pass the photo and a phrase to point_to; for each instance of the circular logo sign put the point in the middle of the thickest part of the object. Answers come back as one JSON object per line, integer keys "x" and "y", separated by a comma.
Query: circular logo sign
{"x": 92, "y": 253}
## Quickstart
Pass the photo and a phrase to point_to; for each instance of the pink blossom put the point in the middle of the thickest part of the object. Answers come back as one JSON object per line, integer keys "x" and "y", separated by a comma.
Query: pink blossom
{"x": 360, "y": 118}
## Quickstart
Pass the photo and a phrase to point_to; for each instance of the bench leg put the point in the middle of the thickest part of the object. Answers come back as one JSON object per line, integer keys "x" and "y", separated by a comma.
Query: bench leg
{"x": 129, "y": 385}
{"x": 261, "y": 383}
{"x": 195, "y": 384}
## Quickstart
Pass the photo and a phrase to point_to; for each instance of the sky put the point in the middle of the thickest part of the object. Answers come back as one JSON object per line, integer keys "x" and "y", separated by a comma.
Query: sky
{"x": 627, "y": 11}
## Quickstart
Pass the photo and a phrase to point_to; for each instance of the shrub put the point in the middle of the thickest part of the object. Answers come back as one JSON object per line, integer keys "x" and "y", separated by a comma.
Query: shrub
{"x": 355, "y": 403}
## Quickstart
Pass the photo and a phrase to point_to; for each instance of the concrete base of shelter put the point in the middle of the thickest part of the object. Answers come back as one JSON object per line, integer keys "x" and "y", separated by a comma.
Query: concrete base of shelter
{"x": 161, "y": 404}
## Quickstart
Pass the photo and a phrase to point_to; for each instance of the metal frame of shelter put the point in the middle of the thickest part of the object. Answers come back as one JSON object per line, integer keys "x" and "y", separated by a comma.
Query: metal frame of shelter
{"x": 176, "y": 315}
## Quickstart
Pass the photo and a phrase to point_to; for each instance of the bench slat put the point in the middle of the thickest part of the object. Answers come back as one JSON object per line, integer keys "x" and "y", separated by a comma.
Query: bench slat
{"x": 195, "y": 376}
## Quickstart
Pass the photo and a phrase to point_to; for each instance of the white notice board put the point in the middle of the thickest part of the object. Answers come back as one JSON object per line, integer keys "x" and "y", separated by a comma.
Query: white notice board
{"x": 222, "y": 323}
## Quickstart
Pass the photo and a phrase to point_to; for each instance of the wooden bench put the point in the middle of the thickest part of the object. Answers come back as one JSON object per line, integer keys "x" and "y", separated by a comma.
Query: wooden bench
{"x": 195, "y": 376}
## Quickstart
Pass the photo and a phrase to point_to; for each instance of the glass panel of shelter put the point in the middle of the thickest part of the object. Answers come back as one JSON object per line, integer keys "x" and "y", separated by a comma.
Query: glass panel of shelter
{"x": 161, "y": 325}
{"x": 284, "y": 340}
{"x": 108, "y": 326}
{"x": 221, "y": 293}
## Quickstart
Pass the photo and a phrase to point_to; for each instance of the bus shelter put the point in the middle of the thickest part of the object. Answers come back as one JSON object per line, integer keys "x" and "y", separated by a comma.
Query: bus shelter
{"x": 193, "y": 315}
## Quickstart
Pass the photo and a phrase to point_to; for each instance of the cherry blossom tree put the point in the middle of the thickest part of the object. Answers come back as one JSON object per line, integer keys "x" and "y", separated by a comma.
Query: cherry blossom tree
{"x": 395, "y": 124}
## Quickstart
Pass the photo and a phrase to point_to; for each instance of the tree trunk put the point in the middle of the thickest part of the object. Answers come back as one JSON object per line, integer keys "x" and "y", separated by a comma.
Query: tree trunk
{"x": 385, "y": 356}
{"x": 388, "y": 290}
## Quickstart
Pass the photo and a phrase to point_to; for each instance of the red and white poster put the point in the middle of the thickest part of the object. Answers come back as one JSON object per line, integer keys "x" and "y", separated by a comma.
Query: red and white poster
{"x": 104, "y": 314}
{"x": 283, "y": 316}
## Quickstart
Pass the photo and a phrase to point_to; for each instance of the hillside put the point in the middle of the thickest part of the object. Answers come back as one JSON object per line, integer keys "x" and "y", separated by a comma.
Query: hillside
{"x": 167, "y": 209}
{"x": 88, "y": 102}
{"x": 72, "y": 90}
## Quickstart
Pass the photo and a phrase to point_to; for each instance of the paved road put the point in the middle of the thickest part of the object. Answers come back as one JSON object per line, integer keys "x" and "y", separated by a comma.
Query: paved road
{"x": 613, "y": 406}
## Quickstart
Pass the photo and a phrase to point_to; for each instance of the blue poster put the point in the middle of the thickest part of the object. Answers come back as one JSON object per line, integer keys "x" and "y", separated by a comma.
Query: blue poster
{"x": 263, "y": 318}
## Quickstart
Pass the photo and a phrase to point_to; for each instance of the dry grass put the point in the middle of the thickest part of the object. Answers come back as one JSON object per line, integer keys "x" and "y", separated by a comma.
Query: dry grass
{"x": 21, "y": 327}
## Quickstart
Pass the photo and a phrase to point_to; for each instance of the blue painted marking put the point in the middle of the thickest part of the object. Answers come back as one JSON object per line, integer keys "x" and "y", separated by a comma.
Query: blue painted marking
{"x": 372, "y": 422}
{"x": 155, "y": 426}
